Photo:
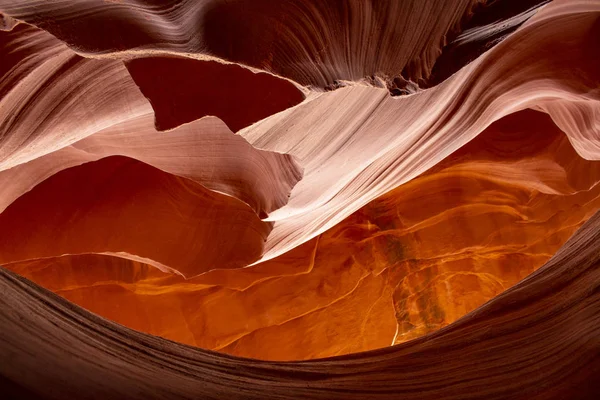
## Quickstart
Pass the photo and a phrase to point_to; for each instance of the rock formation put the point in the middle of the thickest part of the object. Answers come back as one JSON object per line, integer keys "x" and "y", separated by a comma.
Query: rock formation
{"x": 359, "y": 199}
{"x": 536, "y": 340}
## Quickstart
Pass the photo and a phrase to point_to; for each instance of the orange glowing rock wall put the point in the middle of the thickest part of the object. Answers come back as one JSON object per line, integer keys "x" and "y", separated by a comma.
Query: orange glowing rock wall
{"x": 405, "y": 265}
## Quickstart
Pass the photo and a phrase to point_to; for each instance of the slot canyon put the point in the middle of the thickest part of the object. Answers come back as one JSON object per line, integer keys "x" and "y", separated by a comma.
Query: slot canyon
{"x": 300, "y": 199}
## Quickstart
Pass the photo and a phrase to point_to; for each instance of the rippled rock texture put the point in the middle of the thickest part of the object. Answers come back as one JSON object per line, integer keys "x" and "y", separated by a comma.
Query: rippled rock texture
{"x": 300, "y": 199}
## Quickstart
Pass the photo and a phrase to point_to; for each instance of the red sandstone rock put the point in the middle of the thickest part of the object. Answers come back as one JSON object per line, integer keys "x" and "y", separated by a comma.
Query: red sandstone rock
{"x": 536, "y": 340}
{"x": 400, "y": 171}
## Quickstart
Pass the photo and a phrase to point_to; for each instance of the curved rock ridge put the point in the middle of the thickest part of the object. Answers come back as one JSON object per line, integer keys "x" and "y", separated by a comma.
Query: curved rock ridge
{"x": 204, "y": 151}
{"x": 7, "y": 23}
{"x": 537, "y": 340}
{"x": 358, "y": 143}
{"x": 46, "y": 89}
{"x": 489, "y": 215}
{"x": 52, "y": 128}
{"x": 123, "y": 207}
{"x": 311, "y": 42}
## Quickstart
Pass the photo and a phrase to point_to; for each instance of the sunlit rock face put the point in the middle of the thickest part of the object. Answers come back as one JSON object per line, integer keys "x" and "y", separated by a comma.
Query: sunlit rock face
{"x": 406, "y": 264}
{"x": 389, "y": 182}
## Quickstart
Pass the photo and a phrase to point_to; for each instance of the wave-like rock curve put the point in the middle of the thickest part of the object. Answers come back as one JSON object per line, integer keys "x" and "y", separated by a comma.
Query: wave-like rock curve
{"x": 297, "y": 179}
{"x": 537, "y": 340}
{"x": 52, "y": 128}
{"x": 489, "y": 215}
{"x": 358, "y": 143}
{"x": 312, "y": 42}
